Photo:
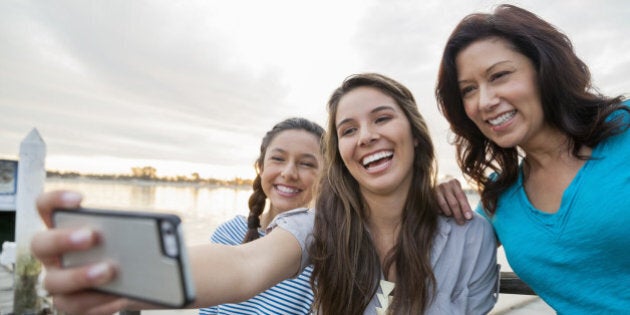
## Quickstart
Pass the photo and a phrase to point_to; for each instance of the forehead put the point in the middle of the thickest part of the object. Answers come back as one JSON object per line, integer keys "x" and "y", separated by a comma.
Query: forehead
{"x": 295, "y": 141}
{"x": 487, "y": 52}
{"x": 362, "y": 100}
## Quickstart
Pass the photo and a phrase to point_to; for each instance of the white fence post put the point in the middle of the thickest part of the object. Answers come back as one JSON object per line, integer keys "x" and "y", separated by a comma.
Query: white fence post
{"x": 31, "y": 177}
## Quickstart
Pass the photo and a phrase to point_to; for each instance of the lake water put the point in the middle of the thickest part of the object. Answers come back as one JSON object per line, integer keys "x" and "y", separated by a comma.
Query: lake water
{"x": 203, "y": 208}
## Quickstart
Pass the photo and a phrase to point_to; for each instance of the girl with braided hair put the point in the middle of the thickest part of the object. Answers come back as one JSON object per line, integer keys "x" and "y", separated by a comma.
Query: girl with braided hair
{"x": 286, "y": 170}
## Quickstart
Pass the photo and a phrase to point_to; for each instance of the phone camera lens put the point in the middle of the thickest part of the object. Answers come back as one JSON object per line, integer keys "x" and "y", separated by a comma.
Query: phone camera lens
{"x": 169, "y": 239}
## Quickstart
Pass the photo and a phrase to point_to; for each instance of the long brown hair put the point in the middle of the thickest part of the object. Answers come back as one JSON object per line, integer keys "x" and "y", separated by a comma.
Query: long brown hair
{"x": 570, "y": 103}
{"x": 258, "y": 198}
{"x": 346, "y": 264}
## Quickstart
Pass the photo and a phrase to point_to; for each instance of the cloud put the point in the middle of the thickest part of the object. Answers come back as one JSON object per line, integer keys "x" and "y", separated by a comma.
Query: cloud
{"x": 132, "y": 79}
{"x": 201, "y": 81}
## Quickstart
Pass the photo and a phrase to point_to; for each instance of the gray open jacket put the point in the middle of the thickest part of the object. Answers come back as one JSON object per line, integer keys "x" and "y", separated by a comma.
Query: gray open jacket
{"x": 463, "y": 259}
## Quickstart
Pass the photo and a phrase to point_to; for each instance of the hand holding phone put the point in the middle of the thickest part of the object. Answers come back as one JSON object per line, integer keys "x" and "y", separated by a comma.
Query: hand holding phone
{"x": 147, "y": 249}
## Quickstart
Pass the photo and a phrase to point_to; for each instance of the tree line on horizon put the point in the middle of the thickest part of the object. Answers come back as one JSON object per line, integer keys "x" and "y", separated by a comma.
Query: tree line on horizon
{"x": 149, "y": 173}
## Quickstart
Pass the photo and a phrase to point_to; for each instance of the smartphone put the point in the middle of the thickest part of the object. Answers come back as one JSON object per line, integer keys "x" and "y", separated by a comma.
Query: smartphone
{"x": 147, "y": 248}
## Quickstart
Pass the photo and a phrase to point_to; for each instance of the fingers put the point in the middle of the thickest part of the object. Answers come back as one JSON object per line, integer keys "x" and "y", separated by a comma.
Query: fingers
{"x": 453, "y": 201}
{"x": 76, "y": 279}
{"x": 49, "y": 245}
{"x": 89, "y": 303}
{"x": 47, "y": 202}
{"x": 462, "y": 200}
{"x": 444, "y": 207}
{"x": 71, "y": 288}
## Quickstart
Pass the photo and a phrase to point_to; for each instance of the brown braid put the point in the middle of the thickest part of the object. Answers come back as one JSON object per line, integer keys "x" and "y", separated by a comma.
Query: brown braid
{"x": 256, "y": 207}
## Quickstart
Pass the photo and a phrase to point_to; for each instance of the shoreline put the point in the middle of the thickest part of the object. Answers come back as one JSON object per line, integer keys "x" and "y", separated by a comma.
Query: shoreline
{"x": 144, "y": 183}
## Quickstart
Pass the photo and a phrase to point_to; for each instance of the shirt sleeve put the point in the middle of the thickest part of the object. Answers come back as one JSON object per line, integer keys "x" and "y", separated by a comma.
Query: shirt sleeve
{"x": 298, "y": 222}
{"x": 230, "y": 232}
{"x": 483, "y": 286}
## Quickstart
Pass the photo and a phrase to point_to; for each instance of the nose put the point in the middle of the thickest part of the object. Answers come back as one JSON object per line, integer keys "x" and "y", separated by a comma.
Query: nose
{"x": 367, "y": 136}
{"x": 290, "y": 171}
{"x": 488, "y": 98}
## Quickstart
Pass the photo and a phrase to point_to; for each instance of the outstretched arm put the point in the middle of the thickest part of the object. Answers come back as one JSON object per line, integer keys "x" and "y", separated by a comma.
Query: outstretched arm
{"x": 222, "y": 274}
{"x": 230, "y": 274}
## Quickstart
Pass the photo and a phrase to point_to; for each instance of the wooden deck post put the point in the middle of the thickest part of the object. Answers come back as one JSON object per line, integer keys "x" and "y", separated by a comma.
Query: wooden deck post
{"x": 31, "y": 177}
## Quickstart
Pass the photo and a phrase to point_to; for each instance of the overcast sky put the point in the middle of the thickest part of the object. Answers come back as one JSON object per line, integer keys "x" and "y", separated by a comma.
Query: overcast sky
{"x": 192, "y": 86}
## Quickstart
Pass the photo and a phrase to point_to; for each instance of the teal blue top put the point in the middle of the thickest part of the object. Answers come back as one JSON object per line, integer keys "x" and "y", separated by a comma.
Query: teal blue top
{"x": 578, "y": 259}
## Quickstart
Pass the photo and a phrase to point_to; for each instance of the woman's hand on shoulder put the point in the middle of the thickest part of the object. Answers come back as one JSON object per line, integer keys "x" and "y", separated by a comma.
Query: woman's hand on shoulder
{"x": 70, "y": 287}
{"x": 452, "y": 200}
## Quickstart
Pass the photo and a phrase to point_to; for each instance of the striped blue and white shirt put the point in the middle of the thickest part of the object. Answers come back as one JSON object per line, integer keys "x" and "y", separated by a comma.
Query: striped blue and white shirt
{"x": 292, "y": 296}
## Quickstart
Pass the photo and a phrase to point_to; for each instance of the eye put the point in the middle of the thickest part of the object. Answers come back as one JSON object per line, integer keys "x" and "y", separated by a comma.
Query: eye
{"x": 347, "y": 131}
{"x": 466, "y": 90}
{"x": 309, "y": 164}
{"x": 498, "y": 75}
{"x": 382, "y": 119}
{"x": 277, "y": 158}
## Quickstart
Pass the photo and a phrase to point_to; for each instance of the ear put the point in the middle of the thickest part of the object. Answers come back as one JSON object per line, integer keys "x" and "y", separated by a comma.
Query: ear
{"x": 415, "y": 142}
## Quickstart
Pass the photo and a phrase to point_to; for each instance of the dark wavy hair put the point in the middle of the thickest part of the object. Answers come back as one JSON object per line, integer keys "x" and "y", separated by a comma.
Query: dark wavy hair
{"x": 346, "y": 264}
{"x": 570, "y": 103}
{"x": 258, "y": 198}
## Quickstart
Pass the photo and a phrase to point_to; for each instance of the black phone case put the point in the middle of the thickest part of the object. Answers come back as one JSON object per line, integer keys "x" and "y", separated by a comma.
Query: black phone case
{"x": 134, "y": 241}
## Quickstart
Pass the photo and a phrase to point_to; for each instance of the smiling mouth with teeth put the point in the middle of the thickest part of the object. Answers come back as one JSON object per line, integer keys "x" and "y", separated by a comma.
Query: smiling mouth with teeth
{"x": 377, "y": 158}
{"x": 287, "y": 190}
{"x": 501, "y": 119}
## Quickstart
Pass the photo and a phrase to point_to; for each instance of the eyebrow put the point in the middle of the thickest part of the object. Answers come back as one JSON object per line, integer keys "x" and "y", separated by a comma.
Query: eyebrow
{"x": 303, "y": 155}
{"x": 489, "y": 69}
{"x": 375, "y": 110}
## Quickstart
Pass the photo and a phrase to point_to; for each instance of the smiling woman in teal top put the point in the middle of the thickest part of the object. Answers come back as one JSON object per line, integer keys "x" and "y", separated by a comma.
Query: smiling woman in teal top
{"x": 549, "y": 154}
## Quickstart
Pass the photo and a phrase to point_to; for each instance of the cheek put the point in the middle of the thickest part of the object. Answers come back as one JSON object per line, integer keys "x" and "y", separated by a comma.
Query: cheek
{"x": 308, "y": 177}
{"x": 308, "y": 193}
{"x": 345, "y": 150}
{"x": 470, "y": 109}
{"x": 267, "y": 180}
{"x": 266, "y": 188}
